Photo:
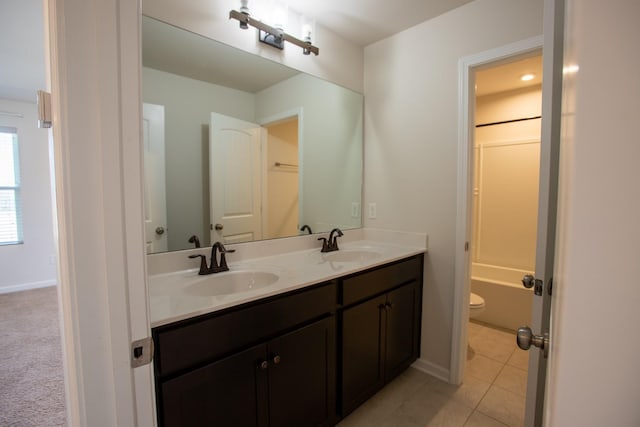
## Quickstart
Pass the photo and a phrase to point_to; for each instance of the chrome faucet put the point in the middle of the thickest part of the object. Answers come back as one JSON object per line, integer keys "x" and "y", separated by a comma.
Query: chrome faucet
{"x": 214, "y": 266}
{"x": 331, "y": 244}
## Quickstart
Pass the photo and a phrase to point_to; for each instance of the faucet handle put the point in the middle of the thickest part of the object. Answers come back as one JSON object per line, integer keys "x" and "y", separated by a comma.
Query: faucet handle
{"x": 203, "y": 263}
{"x": 223, "y": 259}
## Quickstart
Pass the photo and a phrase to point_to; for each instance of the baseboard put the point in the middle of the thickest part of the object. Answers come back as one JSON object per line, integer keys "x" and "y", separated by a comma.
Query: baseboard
{"x": 432, "y": 369}
{"x": 27, "y": 286}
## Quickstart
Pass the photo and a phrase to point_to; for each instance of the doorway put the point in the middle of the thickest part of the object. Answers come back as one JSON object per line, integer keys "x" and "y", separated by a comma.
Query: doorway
{"x": 280, "y": 195}
{"x": 506, "y": 166}
{"x": 32, "y": 379}
{"x": 466, "y": 179}
{"x": 504, "y": 194}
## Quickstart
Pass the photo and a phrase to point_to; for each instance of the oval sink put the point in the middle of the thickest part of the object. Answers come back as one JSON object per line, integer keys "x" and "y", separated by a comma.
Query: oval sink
{"x": 230, "y": 283}
{"x": 351, "y": 256}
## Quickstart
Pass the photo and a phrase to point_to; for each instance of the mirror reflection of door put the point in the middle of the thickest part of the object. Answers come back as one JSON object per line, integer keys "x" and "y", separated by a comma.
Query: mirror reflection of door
{"x": 155, "y": 200}
{"x": 235, "y": 152}
{"x": 281, "y": 191}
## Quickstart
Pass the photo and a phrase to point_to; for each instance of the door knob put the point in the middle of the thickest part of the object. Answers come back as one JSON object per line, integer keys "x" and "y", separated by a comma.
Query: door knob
{"x": 525, "y": 339}
{"x": 159, "y": 231}
{"x": 528, "y": 281}
{"x": 219, "y": 227}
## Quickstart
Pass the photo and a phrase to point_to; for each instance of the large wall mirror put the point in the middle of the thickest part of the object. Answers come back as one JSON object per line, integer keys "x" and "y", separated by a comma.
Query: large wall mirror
{"x": 240, "y": 148}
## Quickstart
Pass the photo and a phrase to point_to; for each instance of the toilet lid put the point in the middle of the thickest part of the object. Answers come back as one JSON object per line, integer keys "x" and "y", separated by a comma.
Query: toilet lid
{"x": 476, "y": 300}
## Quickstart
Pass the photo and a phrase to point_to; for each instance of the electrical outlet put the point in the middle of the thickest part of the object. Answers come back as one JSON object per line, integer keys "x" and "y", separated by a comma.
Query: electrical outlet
{"x": 372, "y": 211}
{"x": 355, "y": 210}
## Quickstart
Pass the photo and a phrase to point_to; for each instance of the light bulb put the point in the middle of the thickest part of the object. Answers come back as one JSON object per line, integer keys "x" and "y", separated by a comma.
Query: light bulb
{"x": 244, "y": 8}
{"x": 306, "y": 33}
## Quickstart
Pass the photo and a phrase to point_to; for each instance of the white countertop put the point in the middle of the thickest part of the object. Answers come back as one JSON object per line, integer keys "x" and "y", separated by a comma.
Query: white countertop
{"x": 170, "y": 300}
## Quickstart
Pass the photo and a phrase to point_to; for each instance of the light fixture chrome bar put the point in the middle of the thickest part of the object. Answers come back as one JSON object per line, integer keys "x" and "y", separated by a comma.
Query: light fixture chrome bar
{"x": 246, "y": 19}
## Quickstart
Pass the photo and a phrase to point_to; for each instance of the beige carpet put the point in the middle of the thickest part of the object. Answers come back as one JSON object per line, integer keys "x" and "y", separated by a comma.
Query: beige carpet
{"x": 31, "y": 375}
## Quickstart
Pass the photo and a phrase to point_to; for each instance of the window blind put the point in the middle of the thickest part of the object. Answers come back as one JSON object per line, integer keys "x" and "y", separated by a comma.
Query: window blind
{"x": 10, "y": 200}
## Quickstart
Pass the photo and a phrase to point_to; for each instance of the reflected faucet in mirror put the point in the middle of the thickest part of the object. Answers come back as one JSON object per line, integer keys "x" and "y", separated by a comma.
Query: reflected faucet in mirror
{"x": 214, "y": 266}
{"x": 307, "y": 228}
{"x": 331, "y": 244}
{"x": 194, "y": 239}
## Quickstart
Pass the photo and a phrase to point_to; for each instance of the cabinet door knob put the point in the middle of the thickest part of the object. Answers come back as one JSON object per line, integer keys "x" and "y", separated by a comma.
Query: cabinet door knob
{"x": 276, "y": 359}
{"x": 263, "y": 365}
{"x": 390, "y": 305}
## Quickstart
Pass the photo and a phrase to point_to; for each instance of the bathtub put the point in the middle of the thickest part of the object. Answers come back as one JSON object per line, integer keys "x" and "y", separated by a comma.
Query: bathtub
{"x": 508, "y": 303}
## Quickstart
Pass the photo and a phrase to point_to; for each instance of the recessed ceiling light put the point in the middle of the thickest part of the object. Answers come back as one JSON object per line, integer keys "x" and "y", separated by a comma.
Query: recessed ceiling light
{"x": 527, "y": 77}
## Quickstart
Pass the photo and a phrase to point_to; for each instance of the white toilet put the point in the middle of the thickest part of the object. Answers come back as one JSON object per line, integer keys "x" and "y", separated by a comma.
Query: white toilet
{"x": 476, "y": 305}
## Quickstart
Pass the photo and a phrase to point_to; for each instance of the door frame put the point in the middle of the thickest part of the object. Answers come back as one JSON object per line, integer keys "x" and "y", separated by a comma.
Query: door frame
{"x": 94, "y": 72}
{"x": 269, "y": 120}
{"x": 464, "y": 211}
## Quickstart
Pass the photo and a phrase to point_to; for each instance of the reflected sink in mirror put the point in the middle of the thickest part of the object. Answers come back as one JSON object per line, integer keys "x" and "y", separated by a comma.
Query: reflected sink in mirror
{"x": 351, "y": 255}
{"x": 231, "y": 282}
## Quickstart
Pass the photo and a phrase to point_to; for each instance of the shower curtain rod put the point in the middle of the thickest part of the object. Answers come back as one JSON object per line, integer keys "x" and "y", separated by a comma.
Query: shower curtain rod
{"x": 508, "y": 121}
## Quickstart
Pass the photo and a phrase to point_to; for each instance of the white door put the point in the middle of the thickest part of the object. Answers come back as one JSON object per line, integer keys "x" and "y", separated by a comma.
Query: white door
{"x": 155, "y": 199}
{"x": 547, "y": 208}
{"x": 234, "y": 179}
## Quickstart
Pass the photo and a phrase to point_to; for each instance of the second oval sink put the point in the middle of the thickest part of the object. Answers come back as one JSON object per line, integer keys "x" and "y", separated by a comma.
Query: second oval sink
{"x": 230, "y": 283}
{"x": 347, "y": 255}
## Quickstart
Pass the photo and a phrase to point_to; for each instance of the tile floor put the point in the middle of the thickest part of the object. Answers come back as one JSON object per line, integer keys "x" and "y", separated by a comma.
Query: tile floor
{"x": 491, "y": 395}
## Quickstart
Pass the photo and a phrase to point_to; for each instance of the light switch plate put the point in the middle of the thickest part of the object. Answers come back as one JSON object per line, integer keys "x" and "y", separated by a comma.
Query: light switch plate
{"x": 355, "y": 210}
{"x": 372, "y": 211}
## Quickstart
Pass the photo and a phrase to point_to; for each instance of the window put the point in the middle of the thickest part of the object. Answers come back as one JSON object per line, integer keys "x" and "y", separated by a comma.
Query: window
{"x": 10, "y": 202}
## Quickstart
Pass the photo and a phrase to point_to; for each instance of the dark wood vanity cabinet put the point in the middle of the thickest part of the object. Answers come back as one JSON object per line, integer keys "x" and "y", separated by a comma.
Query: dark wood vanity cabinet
{"x": 284, "y": 382}
{"x": 300, "y": 359}
{"x": 271, "y": 363}
{"x": 380, "y": 331}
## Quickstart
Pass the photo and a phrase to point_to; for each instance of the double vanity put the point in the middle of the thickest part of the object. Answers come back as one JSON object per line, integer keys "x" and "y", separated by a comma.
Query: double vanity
{"x": 296, "y": 338}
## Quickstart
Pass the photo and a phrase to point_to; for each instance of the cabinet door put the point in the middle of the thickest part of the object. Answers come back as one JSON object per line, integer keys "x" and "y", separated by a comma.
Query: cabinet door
{"x": 302, "y": 376}
{"x": 362, "y": 368}
{"x": 229, "y": 392}
{"x": 400, "y": 346}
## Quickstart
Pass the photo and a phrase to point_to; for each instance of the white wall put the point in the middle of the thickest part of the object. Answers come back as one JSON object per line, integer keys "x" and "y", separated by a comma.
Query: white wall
{"x": 188, "y": 105}
{"x": 331, "y": 146}
{"x": 411, "y": 98}
{"x": 31, "y": 264}
{"x": 594, "y": 376}
{"x": 340, "y": 61}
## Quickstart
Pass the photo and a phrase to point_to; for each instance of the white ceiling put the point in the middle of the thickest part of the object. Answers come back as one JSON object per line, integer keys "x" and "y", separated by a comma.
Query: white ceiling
{"x": 505, "y": 77}
{"x": 171, "y": 49}
{"x": 361, "y": 21}
{"x": 22, "y": 71}
{"x": 366, "y": 21}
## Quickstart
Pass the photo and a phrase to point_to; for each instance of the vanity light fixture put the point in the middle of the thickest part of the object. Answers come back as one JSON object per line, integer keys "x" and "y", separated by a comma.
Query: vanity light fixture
{"x": 272, "y": 35}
